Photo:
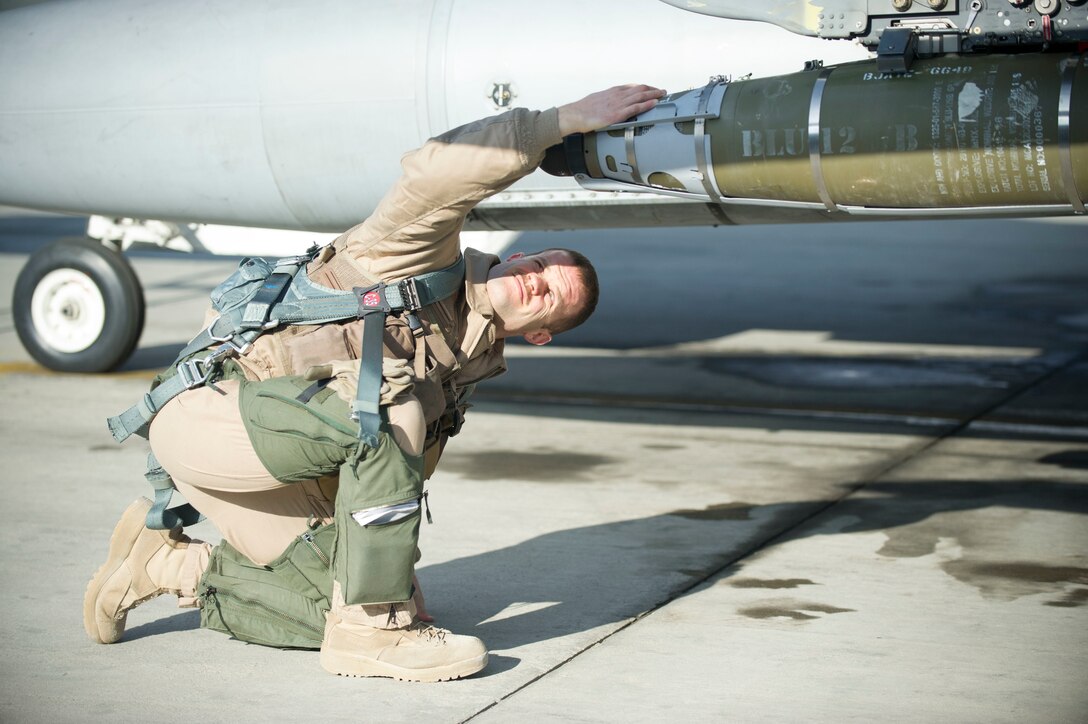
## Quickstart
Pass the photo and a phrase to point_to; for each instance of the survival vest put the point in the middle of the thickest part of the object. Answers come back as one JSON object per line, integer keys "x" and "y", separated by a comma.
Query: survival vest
{"x": 260, "y": 297}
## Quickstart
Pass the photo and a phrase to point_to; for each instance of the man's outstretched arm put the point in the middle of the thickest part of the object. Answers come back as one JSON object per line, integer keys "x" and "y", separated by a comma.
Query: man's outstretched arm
{"x": 445, "y": 178}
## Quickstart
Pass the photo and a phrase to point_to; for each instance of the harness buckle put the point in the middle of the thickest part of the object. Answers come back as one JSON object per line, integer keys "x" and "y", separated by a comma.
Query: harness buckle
{"x": 222, "y": 352}
{"x": 372, "y": 299}
{"x": 211, "y": 331}
{"x": 228, "y": 340}
{"x": 409, "y": 294}
{"x": 230, "y": 347}
{"x": 235, "y": 348}
{"x": 194, "y": 372}
{"x": 299, "y": 259}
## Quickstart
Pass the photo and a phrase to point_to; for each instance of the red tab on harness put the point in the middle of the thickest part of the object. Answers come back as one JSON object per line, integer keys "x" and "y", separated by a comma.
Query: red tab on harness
{"x": 372, "y": 299}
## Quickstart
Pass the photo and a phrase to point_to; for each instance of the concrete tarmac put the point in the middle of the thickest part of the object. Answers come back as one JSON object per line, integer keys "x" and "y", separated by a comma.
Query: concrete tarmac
{"x": 847, "y": 481}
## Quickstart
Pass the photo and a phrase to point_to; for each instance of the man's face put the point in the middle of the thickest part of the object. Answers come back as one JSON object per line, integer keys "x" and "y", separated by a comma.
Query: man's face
{"x": 528, "y": 292}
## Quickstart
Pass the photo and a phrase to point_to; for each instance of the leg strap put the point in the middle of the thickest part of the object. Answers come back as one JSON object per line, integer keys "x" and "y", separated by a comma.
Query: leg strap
{"x": 159, "y": 517}
{"x": 374, "y": 306}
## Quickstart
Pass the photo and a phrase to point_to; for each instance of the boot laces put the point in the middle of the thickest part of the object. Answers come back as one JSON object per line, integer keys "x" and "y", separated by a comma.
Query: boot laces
{"x": 427, "y": 632}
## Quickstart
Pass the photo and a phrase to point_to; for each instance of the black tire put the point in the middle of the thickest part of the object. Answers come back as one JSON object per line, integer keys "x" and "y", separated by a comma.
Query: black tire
{"x": 89, "y": 314}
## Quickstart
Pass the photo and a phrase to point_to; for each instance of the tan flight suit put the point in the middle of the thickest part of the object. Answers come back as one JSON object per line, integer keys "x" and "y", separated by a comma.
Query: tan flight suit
{"x": 200, "y": 437}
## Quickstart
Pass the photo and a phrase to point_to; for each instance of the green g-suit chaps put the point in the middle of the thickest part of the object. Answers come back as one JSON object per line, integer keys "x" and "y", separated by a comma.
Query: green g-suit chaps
{"x": 301, "y": 434}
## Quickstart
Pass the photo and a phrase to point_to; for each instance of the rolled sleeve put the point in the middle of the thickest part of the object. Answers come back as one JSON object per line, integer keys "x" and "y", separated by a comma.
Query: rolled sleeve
{"x": 444, "y": 179}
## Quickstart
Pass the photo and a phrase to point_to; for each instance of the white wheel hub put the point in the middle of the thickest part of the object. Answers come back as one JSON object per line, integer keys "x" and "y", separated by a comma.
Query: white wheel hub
{"x": 68, "y": 310}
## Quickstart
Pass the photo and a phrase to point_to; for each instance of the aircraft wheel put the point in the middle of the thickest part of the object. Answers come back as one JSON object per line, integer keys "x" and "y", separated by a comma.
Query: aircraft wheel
{"x": 78, "y": 306}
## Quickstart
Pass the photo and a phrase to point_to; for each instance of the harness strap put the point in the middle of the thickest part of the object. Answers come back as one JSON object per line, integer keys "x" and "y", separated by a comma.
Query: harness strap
{"x": 365, "y": 408}
{"x": 285, "y": 297}
{"x": 375, "y": 303}
{"x": 259, "y": 309}
{"x": 419, "y": 362}
{"x": 240, "y": 326}
{"x": 190, "y": 373}
{"x": 308, "y": 394}
{"x": 159, "y": 517}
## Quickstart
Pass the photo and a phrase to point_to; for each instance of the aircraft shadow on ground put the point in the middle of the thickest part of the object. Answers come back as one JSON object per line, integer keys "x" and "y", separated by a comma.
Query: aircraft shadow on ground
{"x": 152, "y": 359}
{"x": 846, "y": 282}
{"x": 609, "y": 389}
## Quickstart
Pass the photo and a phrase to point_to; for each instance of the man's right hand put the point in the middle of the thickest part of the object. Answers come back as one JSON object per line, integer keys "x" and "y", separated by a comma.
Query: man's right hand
{"x": 606, "y": 107}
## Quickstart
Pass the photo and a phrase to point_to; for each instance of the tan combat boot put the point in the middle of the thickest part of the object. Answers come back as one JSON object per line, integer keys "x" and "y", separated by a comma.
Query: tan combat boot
{"x": 417, "y": 652}
{"x": 142, "y": 564}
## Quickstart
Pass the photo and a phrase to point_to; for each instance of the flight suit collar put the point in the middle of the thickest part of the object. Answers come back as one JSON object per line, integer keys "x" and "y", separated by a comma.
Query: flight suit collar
{"x": 480, "y": 332}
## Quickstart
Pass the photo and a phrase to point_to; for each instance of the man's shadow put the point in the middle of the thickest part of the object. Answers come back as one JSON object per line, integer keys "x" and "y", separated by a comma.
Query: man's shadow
{"x": 576, "y": 580}
{"x": 573, "y": 581}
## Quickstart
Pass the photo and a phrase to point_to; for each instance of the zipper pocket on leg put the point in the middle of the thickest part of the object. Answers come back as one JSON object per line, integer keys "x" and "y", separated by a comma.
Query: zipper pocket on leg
{"x": 264, "y": 609}
{"x": 386, "y": 514}
{"x": 309, "y": 540}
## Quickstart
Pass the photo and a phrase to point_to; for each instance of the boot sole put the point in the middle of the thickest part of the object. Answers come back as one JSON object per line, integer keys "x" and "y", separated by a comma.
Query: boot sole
{"x": 122, "y": 540}
{"x": 345, "y": 665}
